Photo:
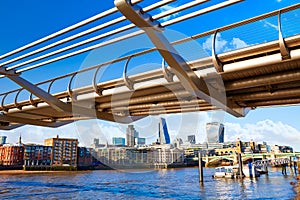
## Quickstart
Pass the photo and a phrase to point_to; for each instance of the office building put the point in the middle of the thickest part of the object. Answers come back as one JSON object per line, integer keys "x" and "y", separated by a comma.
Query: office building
{"x": 215, "y": 132}
{"x": 191, "y": 139}
{"x": 140, "y": 141}
{"x": 96, "y": 142}
{"x": 118, "y": 141}
{"x": 2, "y": 140}
{"x": 64, "y": 151}
{"x": 131, "y": 134}
{"x": 163, "y": 133}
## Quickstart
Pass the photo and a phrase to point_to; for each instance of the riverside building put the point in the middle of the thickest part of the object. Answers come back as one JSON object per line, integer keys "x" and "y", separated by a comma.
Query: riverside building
{"x": 37, "y": 155}
{"x": 12, "y": 154}
{"x": 64, "y": 151}
{"x": 2, "y": 140}
{"x": 160, "y": 156}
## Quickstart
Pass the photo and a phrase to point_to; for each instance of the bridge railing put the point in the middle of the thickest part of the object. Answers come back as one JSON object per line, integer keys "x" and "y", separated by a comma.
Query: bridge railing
{"x": 271, "y": 162}
{"x": 25, "y": 63}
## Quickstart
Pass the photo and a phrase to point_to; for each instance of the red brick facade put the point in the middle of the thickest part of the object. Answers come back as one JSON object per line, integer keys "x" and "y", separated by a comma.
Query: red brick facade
{"x": 84, "y": 157}
{"x": 11, "y": 155}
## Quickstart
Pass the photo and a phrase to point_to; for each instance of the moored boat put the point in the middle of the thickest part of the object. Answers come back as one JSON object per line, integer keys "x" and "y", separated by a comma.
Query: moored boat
{"x": 233, "y": 172}
{"x": 226, "y": 172}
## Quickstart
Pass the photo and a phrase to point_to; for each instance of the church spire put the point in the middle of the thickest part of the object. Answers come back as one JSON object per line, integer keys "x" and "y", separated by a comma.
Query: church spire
{"x": 20, "y": 140}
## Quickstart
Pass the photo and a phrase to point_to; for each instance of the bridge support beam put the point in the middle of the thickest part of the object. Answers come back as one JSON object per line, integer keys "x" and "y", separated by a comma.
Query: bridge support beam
{"x": 190, "y": 81}
{"x": 51, "y": 100}
{"x": 22, "y": 121}
{"x": 11, "y": 127}
{"x": 61, "y": 106}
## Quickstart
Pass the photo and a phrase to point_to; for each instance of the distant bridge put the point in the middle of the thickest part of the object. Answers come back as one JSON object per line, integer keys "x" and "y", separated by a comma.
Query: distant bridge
{"x": 269, "y": 158}
{"x": 271, "y": 162}
{"x": 263, "y": 74}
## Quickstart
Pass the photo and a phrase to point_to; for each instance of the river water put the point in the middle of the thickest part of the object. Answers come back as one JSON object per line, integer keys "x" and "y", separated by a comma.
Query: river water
{"x": 162, "y": 184}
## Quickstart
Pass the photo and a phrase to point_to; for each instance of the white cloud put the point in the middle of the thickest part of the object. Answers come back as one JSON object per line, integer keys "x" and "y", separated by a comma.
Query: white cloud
{"x": 105, "y": 131}
{"x": 37, "y": 134}
{"x": 278, "y": 1}
{"x": 222, "y": 44}
{"x": 166, "y": 8}
{"x": 182, "y": 125}
{"x": 237, "y": 43}
{"x": 267, "y": 130}
{"x": 179, "y": 125}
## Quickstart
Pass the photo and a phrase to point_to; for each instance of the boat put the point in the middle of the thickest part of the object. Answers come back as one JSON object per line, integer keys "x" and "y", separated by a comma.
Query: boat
{"x": 251, "y": 171}
{"x": 226, "y": 172}
{"x": 233, "y": 172}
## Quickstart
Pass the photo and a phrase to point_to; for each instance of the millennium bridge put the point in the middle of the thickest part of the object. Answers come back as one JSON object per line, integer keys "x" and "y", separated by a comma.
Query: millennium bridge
{"x": 188, "y": 76}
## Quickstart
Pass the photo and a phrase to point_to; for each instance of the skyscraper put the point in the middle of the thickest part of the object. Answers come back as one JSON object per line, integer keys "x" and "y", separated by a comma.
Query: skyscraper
{"x": 131, "y": 134}
{"x": 192, "y": 139}
{"x": 163, "y": 133}
{"x": 96, "y": 142}
{"x": 215, "y": 132}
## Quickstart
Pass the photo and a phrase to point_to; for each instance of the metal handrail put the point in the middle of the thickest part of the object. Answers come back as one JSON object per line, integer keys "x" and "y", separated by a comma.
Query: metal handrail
{"x": 174, "y": 43}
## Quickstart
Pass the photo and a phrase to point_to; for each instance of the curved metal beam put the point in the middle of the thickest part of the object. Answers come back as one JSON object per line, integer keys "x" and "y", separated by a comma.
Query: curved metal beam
{"x": 2, "y": 102}
{"x": 95, "y": 87}
{"x": 284, "y": 51}
{"x": 216, "y": 61}
{"x": 190, "y": 81}
{"x": 126, "y": 80}
{"x": 70, "y": 92}
{"x": 167, "y": 74}
{"x": 16, "y": 99}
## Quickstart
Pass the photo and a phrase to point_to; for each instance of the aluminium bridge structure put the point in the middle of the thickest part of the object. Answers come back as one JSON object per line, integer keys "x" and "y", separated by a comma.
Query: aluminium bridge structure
{"x": 264, "y": 73}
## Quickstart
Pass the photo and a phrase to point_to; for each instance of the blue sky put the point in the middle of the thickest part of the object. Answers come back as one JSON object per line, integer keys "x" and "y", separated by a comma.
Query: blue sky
{"x": 26, "y": 21}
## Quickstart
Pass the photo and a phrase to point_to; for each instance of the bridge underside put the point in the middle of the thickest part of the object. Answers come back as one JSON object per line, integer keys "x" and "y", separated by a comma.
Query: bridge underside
{"x": 256, "y": 82}
{"x": 251, "y": 77}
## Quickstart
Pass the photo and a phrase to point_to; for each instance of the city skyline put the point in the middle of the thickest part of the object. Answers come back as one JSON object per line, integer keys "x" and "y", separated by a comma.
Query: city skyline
{"x": 155, "y": 139}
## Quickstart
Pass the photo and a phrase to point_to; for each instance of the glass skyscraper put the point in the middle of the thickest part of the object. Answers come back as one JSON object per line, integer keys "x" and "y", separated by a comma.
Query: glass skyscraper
{"x": 163, "y": 133}
{"x": 215, "y": 132}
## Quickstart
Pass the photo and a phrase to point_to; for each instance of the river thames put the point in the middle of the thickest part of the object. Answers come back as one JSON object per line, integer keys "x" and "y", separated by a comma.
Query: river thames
{"x": 161, "y": 184}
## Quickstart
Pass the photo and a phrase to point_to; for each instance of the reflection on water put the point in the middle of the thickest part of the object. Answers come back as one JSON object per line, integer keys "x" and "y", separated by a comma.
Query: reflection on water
{"x": 170, "y": 184}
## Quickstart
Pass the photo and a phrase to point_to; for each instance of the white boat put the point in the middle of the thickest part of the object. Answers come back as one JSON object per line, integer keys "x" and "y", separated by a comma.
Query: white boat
{"x": 250, "y": 171}
{"x": 233, "y": 172}
{"x": 226, "y": 172}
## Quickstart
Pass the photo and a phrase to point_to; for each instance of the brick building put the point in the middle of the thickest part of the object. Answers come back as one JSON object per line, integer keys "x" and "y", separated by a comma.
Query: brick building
{"x": 64, "y": 151}
{"x": 11, "y": 155}
{"x": 37, "y": 155}
{"x": 84, "y": 157}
